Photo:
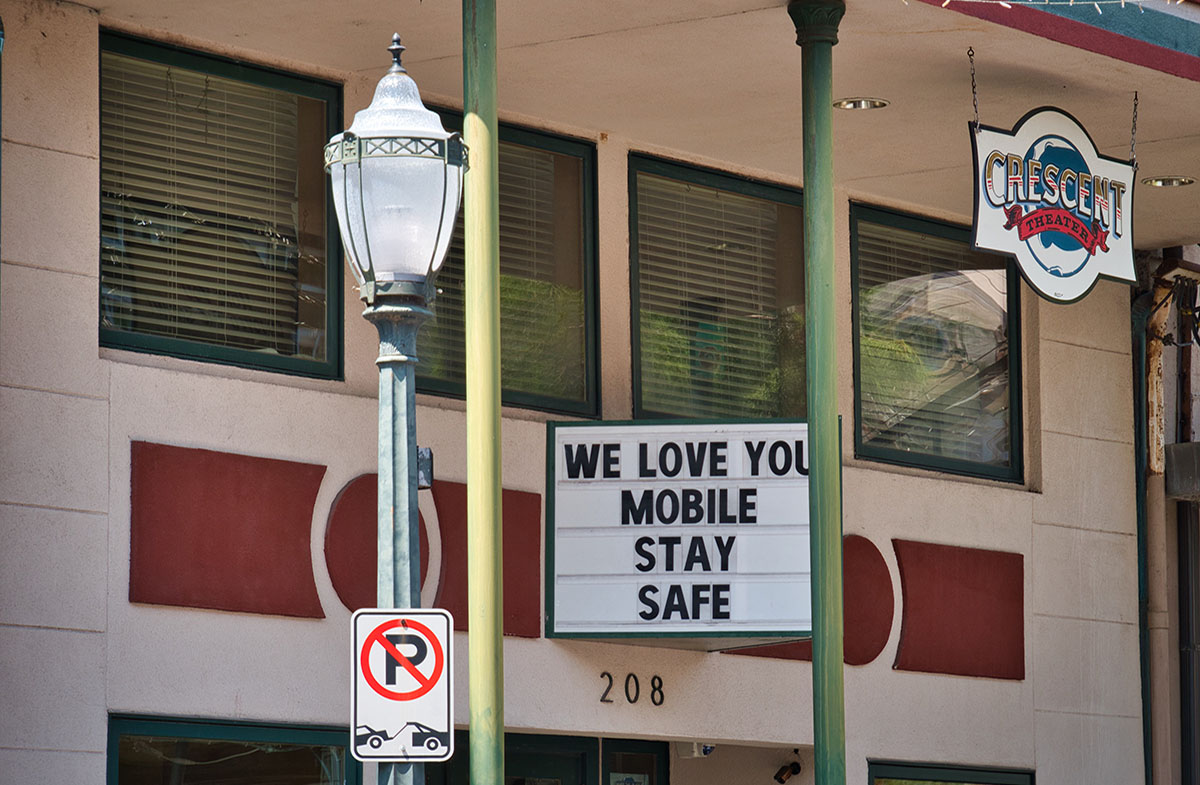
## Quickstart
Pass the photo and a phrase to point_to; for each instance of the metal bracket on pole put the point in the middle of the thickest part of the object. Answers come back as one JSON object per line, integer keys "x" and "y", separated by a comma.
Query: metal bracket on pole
{"x": 424, "y": 468}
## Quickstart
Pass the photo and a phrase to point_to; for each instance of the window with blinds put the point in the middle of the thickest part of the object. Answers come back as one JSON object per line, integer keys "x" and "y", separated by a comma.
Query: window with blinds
{"x": 214, "y": 227}
{"x": 936, "y": 374}
{"x": 547, "y": 340}
{"x": 718, "y": 290}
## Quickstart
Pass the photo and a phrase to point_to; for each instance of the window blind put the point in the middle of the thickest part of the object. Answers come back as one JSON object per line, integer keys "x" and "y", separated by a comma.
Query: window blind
{"x": 718, "y": 334}
{"x": 202, "y": 234}
{"x": 933, "y": 346}
{"x": 542, "y": 317}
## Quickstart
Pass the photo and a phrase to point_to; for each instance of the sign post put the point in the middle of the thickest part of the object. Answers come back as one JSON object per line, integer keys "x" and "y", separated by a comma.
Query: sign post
{"x": 402, "y": 699}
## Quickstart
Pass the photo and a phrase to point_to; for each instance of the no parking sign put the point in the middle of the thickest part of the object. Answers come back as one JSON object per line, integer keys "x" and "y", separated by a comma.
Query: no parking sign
{"x": 402, "y": 699}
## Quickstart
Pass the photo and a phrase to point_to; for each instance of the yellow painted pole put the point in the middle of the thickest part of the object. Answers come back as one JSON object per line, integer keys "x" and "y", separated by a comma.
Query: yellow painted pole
{"x": 484, "y": 549}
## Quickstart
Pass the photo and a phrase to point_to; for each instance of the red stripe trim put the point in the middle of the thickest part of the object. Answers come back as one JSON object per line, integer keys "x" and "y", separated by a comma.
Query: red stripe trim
{"x": 1083, "y": 36}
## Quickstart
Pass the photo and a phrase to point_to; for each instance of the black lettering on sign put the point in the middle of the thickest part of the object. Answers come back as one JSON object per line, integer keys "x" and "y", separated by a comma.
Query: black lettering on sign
{"x": 667, "y": 506}
{"x": 779, "y": 458}
{"x": 420, "y": 649}
{"x": 582, "y": 460}
{"x": 685, "y": 602}
{"x": 697, "y": 556}
{"x": 747, "y": 502}
{"x": 671, "y": 544}
{"x": 717, "y": 458}
{"x": 695, "y": 457}
{"x": 782, "y": 457}
{"x": 644, "y": 467}
{"x": 675, "y": 604}
{"x": 724, "y": 548}
{"x": 612, "y": 461}
{"x": 721, "y": 601}
{"x": 644, "y": 547}
{"x": 754, "y": 451}
{"x": 646, "y": 596}
{"x": 639, "y": 512}
{"x": 670, "y": 459}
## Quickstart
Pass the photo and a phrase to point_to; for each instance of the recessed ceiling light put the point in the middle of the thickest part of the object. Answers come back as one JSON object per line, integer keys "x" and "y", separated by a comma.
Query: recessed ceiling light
{"x": 861, "y": 103}
{"x": 1168, "y": 181}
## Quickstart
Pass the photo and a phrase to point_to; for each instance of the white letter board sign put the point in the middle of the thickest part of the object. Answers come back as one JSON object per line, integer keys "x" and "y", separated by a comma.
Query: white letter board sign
{"x": 678, "y": 530}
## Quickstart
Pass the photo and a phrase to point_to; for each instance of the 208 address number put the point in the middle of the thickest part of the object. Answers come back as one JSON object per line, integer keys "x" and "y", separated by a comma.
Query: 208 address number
{"x": 633, "y": 688}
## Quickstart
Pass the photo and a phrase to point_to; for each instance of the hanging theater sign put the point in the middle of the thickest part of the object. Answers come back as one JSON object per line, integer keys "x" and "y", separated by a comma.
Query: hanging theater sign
{"x": 1044, "y": 195}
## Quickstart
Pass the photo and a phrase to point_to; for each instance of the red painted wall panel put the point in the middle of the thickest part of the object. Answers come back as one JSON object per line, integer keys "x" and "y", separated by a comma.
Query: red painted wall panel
{"x": 351, "y": 539}
{"x": 216, "y": 530}
{"x": 522, "y": 557}
{"x": 964, "y": 610}
{"x": 869, "y": 604}
{"x": 350, "y": 543}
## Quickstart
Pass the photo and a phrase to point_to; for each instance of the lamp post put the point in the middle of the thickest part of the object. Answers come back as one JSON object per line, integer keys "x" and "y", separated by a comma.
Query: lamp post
{"x": 397, "y": 179}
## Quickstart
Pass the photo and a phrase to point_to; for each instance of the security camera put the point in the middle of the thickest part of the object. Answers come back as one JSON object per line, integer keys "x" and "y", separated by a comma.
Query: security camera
{"x": 786, "y": 772}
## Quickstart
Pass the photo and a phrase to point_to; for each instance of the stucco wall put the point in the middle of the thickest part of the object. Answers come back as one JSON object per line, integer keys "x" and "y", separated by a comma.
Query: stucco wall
{"x": 73, "y": 648}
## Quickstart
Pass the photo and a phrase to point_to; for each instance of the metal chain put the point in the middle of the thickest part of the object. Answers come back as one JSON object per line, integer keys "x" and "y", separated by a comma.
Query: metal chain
{"x": 974, "y": 89}
{"x": 1133, "y": 135}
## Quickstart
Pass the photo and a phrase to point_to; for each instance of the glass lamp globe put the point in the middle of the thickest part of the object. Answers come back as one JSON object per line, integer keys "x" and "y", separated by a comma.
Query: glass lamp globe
{"x": 397, "y": 178}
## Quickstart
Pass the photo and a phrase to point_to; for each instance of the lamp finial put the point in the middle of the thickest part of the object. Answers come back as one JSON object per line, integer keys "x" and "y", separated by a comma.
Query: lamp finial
{"x": 396, "y": 49}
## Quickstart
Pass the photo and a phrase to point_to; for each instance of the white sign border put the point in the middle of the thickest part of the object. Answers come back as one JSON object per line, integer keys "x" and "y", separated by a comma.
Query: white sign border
{"x": 448, "y": 669}
{"x": 753, "y": 638}
{"x": 976, "y": 172}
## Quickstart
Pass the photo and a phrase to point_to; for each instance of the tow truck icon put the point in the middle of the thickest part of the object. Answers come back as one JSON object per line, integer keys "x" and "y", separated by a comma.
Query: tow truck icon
{"x": 421, "y": 736}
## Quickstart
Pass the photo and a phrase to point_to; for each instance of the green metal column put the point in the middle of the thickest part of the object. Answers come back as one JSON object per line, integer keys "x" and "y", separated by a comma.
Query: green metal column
{"x": 398, "y": 574}
{"x": 816, "y": 32}
{"x": 484, "y": 548}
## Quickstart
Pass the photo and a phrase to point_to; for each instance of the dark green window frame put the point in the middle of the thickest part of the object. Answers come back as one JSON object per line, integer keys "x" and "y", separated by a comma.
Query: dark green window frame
{"x": 331, "y": 95}
{"x": 698, "y": 175}
{"x": 585, "y": 153}
{"x": 1015, "y": 471}
{"x": 935, "y": 772}
{"x": 226, "y": 730}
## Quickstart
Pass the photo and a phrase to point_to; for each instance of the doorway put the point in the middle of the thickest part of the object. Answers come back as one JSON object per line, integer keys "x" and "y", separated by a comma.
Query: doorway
{"x": 562, "y": 760}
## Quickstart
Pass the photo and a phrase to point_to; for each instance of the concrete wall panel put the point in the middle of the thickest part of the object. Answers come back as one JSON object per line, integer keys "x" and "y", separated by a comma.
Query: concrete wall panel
{"x": 1086, "y": 667}
{"x": 33, "y": 765}
{"x": 51, "y": 96}
{"x": 53, "y": 449}
{"x": 52, "y": 683}
{"x": 1099, "y": 321}
{"x": 1084, "y": 575}
{"x": 1075, "y": 749}
{"x": 52, "y": 568}
{"x": 1078, "y": 404}
{"x": 1088, "y": 484}
{"x": 38, "y": 347}
{"x": 51, "y": 214}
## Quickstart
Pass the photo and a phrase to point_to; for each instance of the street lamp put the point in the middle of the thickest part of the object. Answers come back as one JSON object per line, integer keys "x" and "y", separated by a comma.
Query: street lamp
{"x": 397, "y": 178}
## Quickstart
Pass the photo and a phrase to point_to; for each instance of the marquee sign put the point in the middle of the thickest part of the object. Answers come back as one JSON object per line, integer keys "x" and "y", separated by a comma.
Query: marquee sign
{"x": 678, "y": 530}
{"x": 1045, "y": 195}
